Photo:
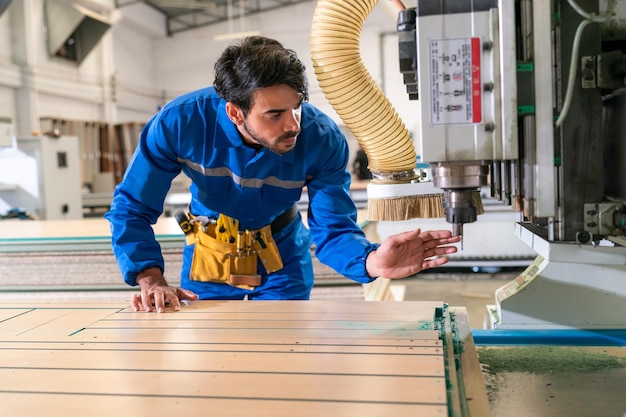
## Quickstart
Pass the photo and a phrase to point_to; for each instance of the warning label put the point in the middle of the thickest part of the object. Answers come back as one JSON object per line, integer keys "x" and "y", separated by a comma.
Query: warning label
{"x": 455, "y": 86}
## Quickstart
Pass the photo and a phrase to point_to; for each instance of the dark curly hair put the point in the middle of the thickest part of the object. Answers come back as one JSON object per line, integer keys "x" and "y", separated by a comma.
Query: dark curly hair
{"x": 257, "y": 62}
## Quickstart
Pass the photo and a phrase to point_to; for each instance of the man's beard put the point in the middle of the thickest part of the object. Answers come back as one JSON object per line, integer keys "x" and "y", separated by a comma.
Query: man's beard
{"x": 266, "y": 143}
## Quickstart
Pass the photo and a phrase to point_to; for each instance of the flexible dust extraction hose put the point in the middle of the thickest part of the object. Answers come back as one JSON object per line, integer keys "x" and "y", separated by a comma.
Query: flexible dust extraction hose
{"x": 353, "y": 93}
{"x": 394, "y": 192}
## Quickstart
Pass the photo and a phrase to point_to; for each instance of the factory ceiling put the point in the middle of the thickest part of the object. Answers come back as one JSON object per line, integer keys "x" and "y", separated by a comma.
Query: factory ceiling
{"x": 183, "y": 15}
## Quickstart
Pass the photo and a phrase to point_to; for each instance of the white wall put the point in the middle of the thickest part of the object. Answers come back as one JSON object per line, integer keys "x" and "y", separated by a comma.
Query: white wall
{"x": 9, "y": 72}
{"x": 138, "y": 93}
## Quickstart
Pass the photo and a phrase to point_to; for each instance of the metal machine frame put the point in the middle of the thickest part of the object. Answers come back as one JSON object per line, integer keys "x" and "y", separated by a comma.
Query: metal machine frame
{"x": 534, "y": 111}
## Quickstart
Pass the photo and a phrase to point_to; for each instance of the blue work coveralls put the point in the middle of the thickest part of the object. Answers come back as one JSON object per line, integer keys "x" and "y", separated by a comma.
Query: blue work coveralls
{"x": 193, "y": 134}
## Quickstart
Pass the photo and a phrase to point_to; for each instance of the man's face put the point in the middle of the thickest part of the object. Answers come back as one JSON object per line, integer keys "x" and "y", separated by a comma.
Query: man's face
{"x": 273, "y": 121}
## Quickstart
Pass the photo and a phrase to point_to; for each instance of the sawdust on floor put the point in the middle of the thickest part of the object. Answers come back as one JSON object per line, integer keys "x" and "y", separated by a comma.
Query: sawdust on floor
{"x": 547, "y": 381}
{"x": 531, "y": 381}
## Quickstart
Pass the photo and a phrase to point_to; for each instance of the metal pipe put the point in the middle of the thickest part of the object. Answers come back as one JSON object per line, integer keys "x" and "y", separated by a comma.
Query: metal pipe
{"x": 549, "y": 337}
{"x": 366, "y": 111}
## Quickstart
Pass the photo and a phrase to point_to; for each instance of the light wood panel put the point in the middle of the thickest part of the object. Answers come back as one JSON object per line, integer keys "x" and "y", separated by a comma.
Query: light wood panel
{"x": 276, "y": 386}
{"x": 397, "y": 347}
{"x": 6, "y": 314}
{"x": 328, "y": 362}
{"x": 229, "y": 358}
{"x": 185, "y": 323}
{"x": 43, "y": 323}
{"x": 105, "y": 406}
{"x": 80, "y": 229}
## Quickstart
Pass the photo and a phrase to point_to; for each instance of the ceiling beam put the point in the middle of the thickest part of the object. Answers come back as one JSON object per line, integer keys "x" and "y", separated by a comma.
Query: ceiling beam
{"x": 184, "y": 15}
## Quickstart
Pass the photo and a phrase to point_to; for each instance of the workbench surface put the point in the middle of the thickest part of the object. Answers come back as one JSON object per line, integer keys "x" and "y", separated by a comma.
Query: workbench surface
{"x": 88, "y": 228}
{"x": 228, "y": 358}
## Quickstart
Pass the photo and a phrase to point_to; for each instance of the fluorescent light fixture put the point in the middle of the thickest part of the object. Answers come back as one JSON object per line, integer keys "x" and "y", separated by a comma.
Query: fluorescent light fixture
{"x": 235, "y": 35}
{"x": 185, "y": 4}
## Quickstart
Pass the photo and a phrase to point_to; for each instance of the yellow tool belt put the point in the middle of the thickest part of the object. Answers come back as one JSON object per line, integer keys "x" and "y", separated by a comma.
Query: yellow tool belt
{"x": 225, "y": 254}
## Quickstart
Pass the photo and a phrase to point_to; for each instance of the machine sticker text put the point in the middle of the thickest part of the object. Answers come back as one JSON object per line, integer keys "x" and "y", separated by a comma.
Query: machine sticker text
{"x": 455, "y": 81}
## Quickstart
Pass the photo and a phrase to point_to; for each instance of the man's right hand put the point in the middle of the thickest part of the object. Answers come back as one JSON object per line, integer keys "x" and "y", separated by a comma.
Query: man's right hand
{"x": 156, "y": 294}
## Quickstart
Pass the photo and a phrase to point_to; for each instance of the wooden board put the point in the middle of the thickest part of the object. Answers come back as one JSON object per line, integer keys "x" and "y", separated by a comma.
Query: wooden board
{"x": 81, "y": 228}
{"x": 229, "y": 358}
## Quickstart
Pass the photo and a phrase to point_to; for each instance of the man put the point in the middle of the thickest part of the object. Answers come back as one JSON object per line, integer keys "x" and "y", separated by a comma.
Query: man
{"x": 359, "y": 165}
{"x": 250, "y": 144}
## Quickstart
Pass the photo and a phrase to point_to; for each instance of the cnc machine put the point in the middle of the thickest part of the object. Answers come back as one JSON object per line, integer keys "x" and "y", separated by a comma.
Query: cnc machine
{"x": 526, "y": 97}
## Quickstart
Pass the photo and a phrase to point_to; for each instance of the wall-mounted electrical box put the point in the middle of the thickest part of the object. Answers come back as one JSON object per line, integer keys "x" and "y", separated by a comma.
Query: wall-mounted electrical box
{"x": 3, "y": 5}
{"x": 42, "y": 176}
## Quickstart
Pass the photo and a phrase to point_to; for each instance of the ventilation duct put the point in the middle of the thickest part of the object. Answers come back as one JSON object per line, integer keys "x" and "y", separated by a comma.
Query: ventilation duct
{"x": 73, "y": 31}
{"x": 3, "y": 5}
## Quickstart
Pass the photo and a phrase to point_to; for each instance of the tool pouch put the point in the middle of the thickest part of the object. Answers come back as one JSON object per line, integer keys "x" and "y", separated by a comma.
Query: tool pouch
{"x": 217, "y": 261}
{"x": 267, "y": 249}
